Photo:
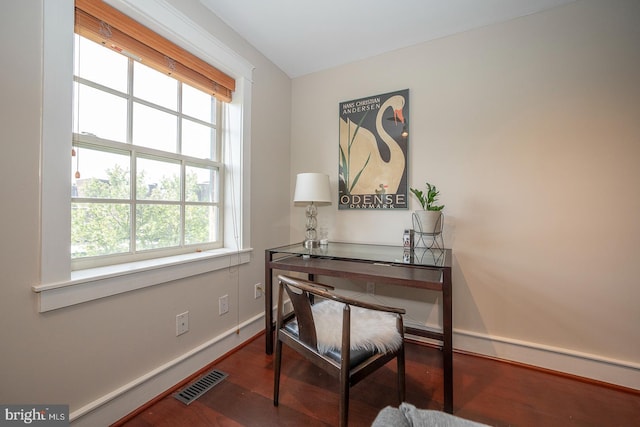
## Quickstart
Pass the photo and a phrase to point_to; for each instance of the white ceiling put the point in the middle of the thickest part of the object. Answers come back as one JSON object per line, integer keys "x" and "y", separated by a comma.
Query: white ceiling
{"x": 304, "y": 36}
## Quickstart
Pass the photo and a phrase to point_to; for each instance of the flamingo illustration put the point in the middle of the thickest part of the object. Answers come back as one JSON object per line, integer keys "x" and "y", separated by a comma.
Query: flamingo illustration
{"x": 364, "y": 156}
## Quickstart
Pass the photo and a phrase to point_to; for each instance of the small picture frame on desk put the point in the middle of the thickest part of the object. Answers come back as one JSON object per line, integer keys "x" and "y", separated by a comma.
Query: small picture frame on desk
{"x": 407, "y": 239}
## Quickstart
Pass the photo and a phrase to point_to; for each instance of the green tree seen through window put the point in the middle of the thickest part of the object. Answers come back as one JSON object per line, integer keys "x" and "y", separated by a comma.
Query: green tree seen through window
{"x": 104, "y": 228}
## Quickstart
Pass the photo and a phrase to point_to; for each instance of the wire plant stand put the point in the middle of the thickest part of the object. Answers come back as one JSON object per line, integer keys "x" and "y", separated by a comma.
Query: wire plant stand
{"x": 428, "y": 239}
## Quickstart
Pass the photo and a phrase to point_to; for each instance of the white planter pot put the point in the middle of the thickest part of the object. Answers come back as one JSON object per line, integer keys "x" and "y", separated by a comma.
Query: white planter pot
{"x": 429, "y": 221}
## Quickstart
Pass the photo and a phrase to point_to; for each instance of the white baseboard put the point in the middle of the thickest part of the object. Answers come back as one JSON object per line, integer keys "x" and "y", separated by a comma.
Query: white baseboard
{"x": 122, "y": 401}
{"x": 618, "y": 372}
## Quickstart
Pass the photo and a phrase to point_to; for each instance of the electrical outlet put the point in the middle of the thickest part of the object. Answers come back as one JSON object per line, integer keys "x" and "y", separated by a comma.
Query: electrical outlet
{"x": 182, "y": 323}
{"x": 371, "y": 288}
{"x": 223, "y": 305}
{"x": 257, "y": 290}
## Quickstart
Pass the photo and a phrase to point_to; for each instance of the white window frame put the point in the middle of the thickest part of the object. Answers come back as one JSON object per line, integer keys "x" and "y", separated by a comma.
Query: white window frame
{"x": 60, "y": 286}
{"x": 128, "y": 147}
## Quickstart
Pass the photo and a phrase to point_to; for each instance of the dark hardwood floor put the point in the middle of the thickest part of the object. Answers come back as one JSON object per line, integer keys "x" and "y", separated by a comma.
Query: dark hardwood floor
{"x": 488, "y": 391}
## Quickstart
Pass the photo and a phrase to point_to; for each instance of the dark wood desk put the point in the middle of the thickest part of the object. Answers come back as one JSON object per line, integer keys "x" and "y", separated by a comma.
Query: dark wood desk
{"x": 419, "y": 268}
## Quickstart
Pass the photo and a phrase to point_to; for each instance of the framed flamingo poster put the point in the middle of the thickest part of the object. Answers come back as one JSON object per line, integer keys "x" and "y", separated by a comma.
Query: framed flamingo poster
{"x": 374, "y": 134}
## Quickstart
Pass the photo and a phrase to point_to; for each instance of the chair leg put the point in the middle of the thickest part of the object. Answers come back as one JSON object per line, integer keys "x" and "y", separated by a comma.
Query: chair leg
{"x": 276, "y": 377}
{"x": 344, "y": 400}
{"x": 401, "y": 376}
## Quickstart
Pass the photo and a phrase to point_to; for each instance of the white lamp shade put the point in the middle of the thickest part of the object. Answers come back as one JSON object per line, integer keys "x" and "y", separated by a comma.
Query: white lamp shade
{"x": 312, "y": 187}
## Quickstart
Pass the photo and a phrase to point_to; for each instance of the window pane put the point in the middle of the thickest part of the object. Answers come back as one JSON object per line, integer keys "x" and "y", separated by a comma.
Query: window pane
{"x": 99, "y": 113}
{"x": 200, "y": 224}
{"x": 196, "y": 103}
{"x": 157, "y": 226}
{"x": 201, "y": 184}
{"x": 100, "y": 64}
{"x": 99, "y": 229}
{"x": 197, "y": 139}
{"x": 102, "y": 174}
{"x": 153, "y": 86}
{"x": 157, "y": 180}
{"x": 154, "y": 128}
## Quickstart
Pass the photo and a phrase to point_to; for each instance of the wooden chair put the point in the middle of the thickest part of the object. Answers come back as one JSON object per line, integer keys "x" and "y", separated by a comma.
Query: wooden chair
{"x": 353, "y": 359}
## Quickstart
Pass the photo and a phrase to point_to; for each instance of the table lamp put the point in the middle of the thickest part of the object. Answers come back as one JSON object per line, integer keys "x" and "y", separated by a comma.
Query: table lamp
{"x": 312, "y": 188}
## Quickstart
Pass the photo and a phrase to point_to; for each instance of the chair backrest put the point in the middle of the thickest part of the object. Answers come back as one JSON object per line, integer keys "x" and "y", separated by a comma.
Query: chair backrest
{"x": 301, "y": 301}
{"x": 300, "y": 293}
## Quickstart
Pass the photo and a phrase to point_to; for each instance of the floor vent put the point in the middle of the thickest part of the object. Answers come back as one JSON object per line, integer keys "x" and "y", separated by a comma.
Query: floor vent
{"x": 196, "y": 389}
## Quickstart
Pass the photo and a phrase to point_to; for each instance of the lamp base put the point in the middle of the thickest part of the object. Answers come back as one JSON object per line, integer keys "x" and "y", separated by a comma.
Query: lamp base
{"x": 311, "y": 244}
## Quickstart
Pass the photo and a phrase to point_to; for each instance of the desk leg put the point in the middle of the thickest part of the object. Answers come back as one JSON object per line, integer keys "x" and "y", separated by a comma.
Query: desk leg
{"x": 447, "y": 345}
{"x": 268, "y": 298}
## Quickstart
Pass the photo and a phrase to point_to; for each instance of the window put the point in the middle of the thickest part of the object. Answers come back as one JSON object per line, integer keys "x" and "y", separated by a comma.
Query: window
{"x": 59, "y": 286}
{"x": 146, "y": 172}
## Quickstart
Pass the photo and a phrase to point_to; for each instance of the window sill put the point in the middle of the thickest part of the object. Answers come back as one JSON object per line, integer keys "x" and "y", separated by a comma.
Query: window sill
{"x": 95, "y": 283}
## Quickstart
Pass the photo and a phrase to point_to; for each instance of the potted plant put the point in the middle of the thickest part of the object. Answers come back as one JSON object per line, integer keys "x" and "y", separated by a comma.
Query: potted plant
{"x": 431, "y": 214}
